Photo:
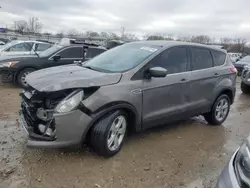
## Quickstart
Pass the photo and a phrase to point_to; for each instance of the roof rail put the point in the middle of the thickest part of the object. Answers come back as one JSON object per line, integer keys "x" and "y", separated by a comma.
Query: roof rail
{"x": 83, "y": 42}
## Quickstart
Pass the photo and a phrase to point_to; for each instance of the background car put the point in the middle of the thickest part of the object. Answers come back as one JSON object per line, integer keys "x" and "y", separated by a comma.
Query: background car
{"x": 17, "y": 48}
{"x": 16, "y": 69}
{"x": 236, "y": 173}
{"x": 234, "y": 56}
{"x": 239, "y": 65}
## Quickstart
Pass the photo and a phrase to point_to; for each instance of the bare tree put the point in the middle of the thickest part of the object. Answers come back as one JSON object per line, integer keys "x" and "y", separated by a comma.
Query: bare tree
{"x": 226, "y": 42}
{"x": 60, "y": 34}
{"x": 94, "y": 34}
{"x": 202, "y": 39}
{"x": 20, "y": 26}
{"x": 34, "y": 25}
{"x": 104, "y": 34}
{"x": 72, "y": 33}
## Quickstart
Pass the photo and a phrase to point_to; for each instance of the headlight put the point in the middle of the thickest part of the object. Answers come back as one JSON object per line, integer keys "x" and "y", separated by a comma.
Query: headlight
{"x": 70, "y": 103}
{"x": 9, "y": 64}
{"x": 242, "y": 164}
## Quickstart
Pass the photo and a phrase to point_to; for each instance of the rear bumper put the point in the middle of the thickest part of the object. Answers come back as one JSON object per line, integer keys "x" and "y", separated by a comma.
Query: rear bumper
{"x": 227, "y": 177}
{"x": 71, "y": 129}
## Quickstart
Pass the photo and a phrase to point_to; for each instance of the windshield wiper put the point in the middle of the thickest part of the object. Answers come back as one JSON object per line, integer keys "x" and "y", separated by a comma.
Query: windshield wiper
{"x": 96, "y": 69}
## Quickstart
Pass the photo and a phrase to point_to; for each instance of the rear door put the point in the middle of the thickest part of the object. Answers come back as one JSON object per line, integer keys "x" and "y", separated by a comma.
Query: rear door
{"x": 166, "y": 99}
{"x": 203, "y": 79}
{"x": 68, "y": 55}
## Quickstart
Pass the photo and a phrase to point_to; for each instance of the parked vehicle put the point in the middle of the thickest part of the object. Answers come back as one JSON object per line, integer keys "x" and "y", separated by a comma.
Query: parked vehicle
{"x": 17, "y": 48}
{"x": 236, "y": 173}
{"x": 131, "y": 87}
{"x": 114, "y": 43}
{"x": 2, "y": 43}
{"x": 239, "y": 65}
{"x": 16, "y": 69}
{"x": 234, "y": 56}
{"x": 245, "y": 79}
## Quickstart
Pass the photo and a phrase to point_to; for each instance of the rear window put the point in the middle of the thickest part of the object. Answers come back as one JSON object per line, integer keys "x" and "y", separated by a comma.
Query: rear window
{"x": 219, "y": 58}
{"x": 201, "y": 58}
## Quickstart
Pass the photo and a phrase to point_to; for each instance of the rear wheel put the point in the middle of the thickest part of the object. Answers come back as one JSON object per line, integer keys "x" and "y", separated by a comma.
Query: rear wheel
{"x": 107, "y": 135}
{"x": 245, "y": 88}
{"x": 219, "y": 111}
{"x": 21, "y": 77}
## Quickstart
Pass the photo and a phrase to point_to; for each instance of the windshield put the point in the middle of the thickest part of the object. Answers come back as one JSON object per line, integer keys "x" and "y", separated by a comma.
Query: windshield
{"x": 9, "y": 44}
{"x": 247, "y": 58}
{"x": 122, "y": 58}
{"x": 50, "y": 51}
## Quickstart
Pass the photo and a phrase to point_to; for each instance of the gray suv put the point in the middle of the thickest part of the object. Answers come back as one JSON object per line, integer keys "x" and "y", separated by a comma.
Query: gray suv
{"x": 129, "y": 88}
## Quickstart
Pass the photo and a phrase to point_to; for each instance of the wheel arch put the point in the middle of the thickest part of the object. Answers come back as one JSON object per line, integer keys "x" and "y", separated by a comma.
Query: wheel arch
{"x": 134, "y": 117}
{"x": 21, "y": 69}
{"x": 227, "y": 91}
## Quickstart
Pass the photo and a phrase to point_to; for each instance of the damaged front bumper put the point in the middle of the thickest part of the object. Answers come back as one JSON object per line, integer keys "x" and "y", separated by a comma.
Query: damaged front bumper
{"x": 68, "y": 129}
{"x": 6, "y": 74}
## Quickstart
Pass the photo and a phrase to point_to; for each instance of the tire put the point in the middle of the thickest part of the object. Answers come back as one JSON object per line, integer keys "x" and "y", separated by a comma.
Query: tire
{"x": 245, "y": 88}
{"x": 21, "y": 77}
{"x": 102, "y": 131}
{"x": 211, "y": 117}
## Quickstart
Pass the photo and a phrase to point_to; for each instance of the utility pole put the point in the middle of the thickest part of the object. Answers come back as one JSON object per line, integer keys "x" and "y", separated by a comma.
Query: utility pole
{"x": 122, "y": 31}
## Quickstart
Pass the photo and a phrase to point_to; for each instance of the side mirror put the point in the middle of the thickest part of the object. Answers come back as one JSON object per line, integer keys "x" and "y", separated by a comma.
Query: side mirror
{"x": 56, "y": 57}
{"x": 157, "y": 72}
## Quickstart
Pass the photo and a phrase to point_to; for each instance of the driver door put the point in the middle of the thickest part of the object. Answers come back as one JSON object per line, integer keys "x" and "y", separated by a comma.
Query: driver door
{"x": 167, "y": 99}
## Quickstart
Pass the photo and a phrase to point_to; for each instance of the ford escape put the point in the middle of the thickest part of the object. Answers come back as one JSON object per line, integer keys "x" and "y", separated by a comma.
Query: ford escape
{"x": 132, "y": 87}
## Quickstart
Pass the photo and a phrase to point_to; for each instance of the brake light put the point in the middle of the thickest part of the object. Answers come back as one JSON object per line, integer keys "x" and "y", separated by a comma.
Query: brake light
{"x": 233, "y": 69}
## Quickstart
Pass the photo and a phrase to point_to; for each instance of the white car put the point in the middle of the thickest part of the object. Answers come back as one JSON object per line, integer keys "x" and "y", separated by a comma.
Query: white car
{"x": 234, "y": 56}
{"x": 19, "y": 48}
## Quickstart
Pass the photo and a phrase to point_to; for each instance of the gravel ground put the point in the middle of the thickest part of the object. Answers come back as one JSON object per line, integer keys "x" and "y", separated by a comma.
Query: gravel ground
{"x": 185, "y": 154}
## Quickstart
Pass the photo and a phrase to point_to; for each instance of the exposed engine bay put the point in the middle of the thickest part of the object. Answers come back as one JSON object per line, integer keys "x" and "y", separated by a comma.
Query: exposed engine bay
{"x": 38, "y": 109}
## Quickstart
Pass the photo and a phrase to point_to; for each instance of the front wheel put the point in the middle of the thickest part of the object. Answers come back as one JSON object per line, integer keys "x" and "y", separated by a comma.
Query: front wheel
{"x": 245, "y": 88}
{"x": 21, "y": 77}
{"x": 219, "y": 111}
{"x": 107, "y": 135}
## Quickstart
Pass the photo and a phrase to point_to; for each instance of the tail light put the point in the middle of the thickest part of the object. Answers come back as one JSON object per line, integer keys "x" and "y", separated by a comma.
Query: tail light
{"x": 233, "y": 69}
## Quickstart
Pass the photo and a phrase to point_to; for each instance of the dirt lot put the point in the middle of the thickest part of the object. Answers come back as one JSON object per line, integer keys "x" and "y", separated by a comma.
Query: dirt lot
{"x": 188, "y": 154}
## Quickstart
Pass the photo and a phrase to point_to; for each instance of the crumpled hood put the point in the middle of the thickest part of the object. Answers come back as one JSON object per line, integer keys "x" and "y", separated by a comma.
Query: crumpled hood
{"x": 69, "y": 76}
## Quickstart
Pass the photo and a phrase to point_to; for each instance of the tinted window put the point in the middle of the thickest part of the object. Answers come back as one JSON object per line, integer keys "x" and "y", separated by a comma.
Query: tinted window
{"x": 201, "y": 58}
{"x": 42, "y": 46}
{"x": 21, "y": 47}
{"x": 219, "y": 58}
{"x": 175, "y": 60}
{"x": 74, "y": 52}
{"x": 92, "y": 52}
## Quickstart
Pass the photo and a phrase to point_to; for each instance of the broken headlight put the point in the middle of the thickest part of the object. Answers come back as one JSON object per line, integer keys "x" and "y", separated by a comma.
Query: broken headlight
{"x": 242, "y": 164}
{"x": 71, "y": 102}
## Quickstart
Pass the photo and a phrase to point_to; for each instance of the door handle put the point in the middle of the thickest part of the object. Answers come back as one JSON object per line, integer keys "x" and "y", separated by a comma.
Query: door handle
{"x": 77, "y": 61}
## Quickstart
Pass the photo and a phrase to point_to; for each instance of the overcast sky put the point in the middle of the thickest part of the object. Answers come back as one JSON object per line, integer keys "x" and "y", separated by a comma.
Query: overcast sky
{"x": 216, "y": 18}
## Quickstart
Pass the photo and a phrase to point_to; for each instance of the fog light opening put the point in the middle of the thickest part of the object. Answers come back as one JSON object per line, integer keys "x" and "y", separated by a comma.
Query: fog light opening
{"x": 44, "y": 131}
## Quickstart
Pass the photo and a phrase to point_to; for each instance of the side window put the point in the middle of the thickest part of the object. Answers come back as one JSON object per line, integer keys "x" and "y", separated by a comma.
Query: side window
{"x": 74, "y": 52}
{"x": 21, "y": 47}
{"x": 92, "y": 52}
{"x": 41, "y": 46}
{"x": 175, "y": 60}
{"x": 219, "y": 58}
{"x": 201, "y": 58}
